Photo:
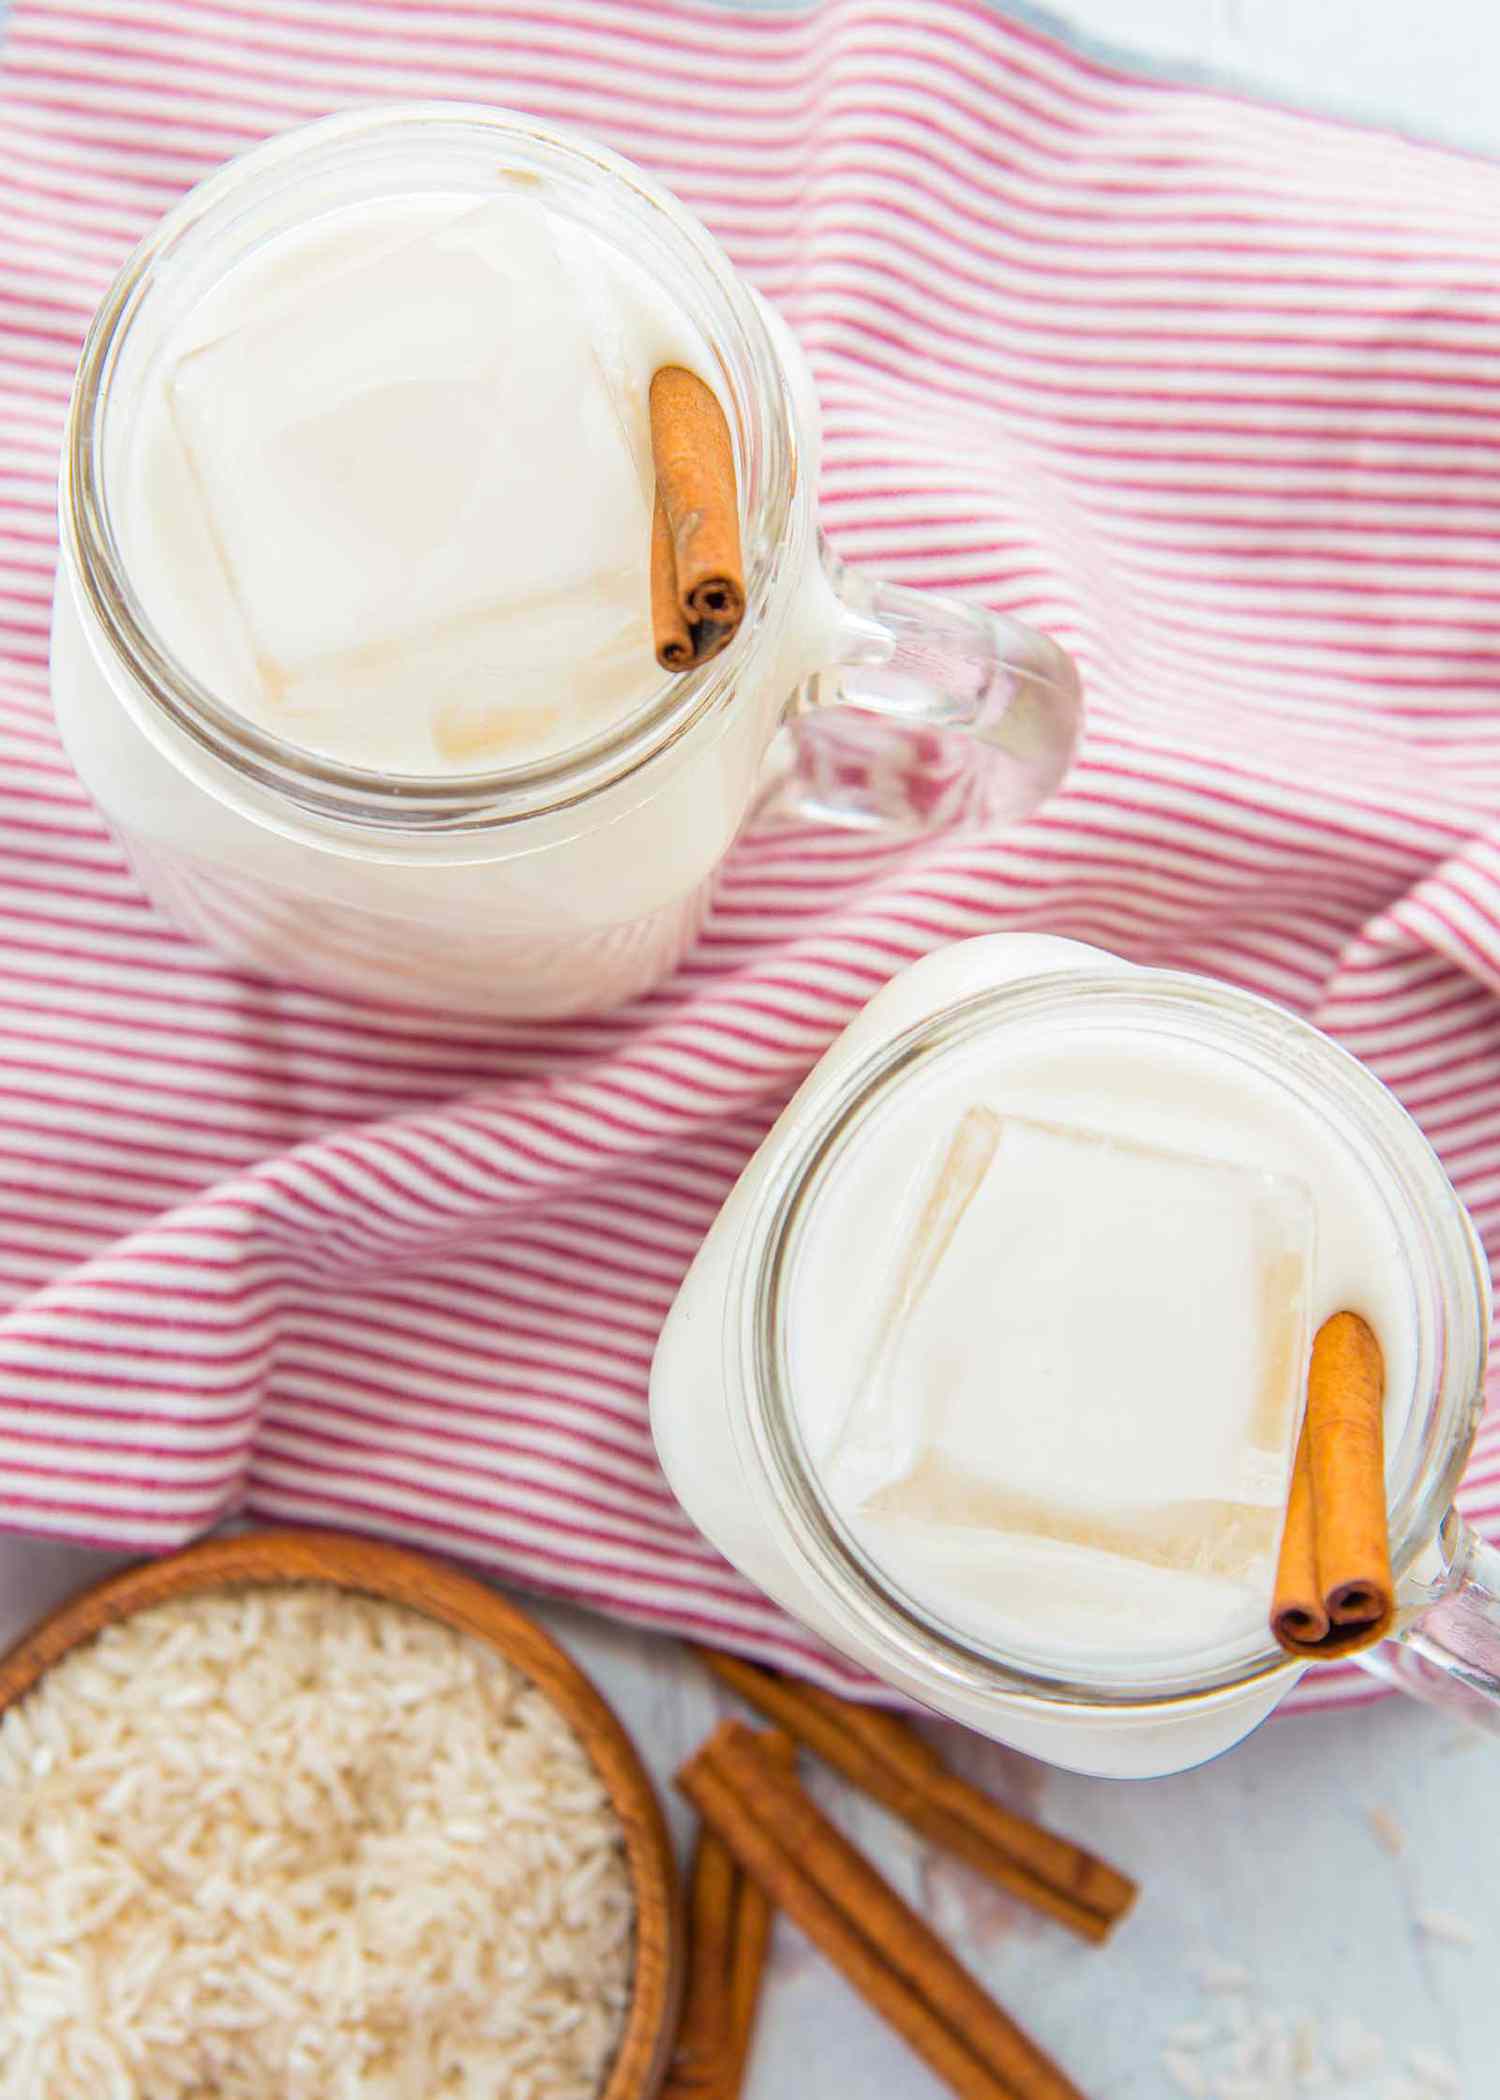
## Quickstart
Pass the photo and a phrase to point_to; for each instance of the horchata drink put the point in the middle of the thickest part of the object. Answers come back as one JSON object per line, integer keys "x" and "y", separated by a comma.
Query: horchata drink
{"x": 353, "y": 639}
{"x": 1011, "y": 1317}
{"x": 1062, "y": 1414}
{"x": 392, "y": 484}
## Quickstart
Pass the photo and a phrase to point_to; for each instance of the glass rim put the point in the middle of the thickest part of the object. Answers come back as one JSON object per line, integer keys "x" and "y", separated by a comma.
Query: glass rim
{"x": 1435, "y": 1440}
{"x": 756, "y": 398}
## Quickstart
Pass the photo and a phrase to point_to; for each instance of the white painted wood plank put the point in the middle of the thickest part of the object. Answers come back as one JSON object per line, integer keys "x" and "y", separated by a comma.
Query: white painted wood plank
{"x": 1430, "y": 68}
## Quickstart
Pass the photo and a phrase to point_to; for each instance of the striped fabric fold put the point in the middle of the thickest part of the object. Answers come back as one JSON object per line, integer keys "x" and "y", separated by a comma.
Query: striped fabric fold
{"x": 1210, "y": 391}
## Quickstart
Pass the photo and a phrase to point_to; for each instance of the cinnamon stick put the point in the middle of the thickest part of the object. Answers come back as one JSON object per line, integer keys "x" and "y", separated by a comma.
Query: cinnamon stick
{"x": 700, "y": 2065}
{"x": 670, "y": 627}
{"x": 887, "y": 1760}
{"x": 697, "y": 575}
{"x": 897, "y": 1962}
{"x": 753, "y": 1921}
{"x": 729, "y": 1934}
{"x": 1299, "y": 1619}
{"x": 1334, "y": 1589}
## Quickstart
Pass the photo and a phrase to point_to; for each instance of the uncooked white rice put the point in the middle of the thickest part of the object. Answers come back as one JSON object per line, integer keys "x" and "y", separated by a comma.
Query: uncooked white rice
{"x": 293, "y": 1843}
{"x": 1242, "y": 2049}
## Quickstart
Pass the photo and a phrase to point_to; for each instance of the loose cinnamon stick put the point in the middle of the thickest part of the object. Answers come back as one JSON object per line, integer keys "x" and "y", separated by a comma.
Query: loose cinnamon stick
{"x": 890, "y": 1738}
{"x": 886, "y": 1951}
{"x": 729, "y": 1935}
{"x": 878, "y": 1753}
{"x": 697, "y": 576}
{"x": 700, "y": 2066}
{"x": 1334, "y": 1590}
{"x": 753, "y": 1921}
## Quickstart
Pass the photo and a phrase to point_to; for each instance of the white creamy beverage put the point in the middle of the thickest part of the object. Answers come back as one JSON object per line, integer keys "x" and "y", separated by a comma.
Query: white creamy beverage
{"x": 352, "y": 636}
{"x": 991, "y": 1368}
{"x": 392, "y": 492}
{"x": 1061, "y": 1415}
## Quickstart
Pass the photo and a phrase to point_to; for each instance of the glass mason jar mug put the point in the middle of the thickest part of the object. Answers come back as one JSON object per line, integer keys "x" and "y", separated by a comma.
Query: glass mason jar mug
{"x": 573, "y": 883}
{"x": 733, "y": 1440}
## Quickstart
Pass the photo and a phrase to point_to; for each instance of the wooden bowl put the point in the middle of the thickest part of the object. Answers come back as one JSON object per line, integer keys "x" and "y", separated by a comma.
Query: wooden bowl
{"x": 270, "y": 1557}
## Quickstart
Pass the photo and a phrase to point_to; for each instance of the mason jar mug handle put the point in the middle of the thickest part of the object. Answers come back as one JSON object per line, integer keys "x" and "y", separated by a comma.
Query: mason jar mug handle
{"x": 934, "y": 710}
{"x": 1446, "y": 1646}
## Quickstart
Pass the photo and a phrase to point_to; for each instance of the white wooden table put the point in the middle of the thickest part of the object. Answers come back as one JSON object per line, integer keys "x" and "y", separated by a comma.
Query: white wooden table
{"x": 1429, "y": 68}
{"x": 1278, "y": 1858}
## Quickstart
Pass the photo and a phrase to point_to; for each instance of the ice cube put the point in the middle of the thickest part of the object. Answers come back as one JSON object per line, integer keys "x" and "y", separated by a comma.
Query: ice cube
{"x": 1229, "y": 1539}
{"x": 1105, "y": 1353}
{"x": 623, "y": 319}
{"x": 881, "y": 1439}
{"x": 503, "y": 687}
{"x": 409, "y": 447}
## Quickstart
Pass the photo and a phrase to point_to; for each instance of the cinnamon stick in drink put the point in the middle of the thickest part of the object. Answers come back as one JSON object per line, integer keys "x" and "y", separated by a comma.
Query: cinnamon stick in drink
{"x": 1299, "y": 1618}
{"x": 887, "y": 1760}
{"x": 697, "y": 574}
{"x": 669, "y": 623}
{"x": 1334, "y": 1589}
{"x": 892, "y": 1956}
{"x": 1346, "y": 1444}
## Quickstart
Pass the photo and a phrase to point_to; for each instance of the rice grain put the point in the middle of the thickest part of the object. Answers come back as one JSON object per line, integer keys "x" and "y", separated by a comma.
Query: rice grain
{"x": 298, "y": 1842}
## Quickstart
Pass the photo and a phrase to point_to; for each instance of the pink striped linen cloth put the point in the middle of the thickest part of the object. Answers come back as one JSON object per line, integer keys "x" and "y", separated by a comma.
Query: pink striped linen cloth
{"x": 1211, "y": 391}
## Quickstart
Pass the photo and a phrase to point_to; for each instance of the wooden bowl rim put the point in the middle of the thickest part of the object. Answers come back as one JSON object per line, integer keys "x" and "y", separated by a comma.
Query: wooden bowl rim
{"x": 400, "y": 1575}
